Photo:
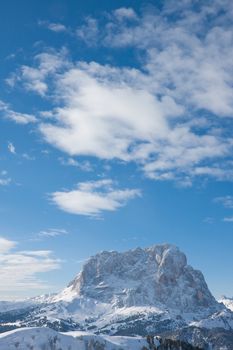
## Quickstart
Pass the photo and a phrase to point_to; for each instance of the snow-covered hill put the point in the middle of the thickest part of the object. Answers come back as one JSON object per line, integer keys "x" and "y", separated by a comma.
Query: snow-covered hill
{"x": 47, "y": 339}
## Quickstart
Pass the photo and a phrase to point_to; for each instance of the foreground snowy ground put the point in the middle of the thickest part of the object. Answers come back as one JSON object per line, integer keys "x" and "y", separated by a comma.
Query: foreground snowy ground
{"x": 47, "y": 339}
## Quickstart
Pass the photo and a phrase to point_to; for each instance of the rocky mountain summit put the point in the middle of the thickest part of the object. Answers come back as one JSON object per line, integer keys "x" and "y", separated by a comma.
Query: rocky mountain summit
{"x": 154, "y": 276}
{"x": 151, "y": 291}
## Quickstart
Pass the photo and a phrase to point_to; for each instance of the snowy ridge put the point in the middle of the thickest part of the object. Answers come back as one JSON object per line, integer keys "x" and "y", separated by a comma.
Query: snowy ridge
{"x": 228, "y": 302}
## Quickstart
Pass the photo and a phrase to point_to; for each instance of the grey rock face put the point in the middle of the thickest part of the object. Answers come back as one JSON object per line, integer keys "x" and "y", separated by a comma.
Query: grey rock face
{"x": 145, "y": 277}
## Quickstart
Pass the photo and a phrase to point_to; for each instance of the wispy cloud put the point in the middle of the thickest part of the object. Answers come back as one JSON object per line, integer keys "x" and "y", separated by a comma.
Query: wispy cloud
{"x": 5, "y": 181}
{"x": 19, "y": 118}
{"x": 209, "y": 220}
{"x": 54, "y": 27}
{"x": 93, "y": 198}
{"x": 57, "y": 27}
{"x": 226, "y": 201}
{"x": 19, "y": 269}
{"x": 28, "y": 156}
{"x": 228, "y": 219}
{"x": 4, "y": 178}
{"x": 82, "y": 165}
{"x": 52, "y": 232}
{"x": 11, "y": 148}
{"x": 36, "y": 78}
{"x": 89, "y": 31}
{"x": 125, "y": 13}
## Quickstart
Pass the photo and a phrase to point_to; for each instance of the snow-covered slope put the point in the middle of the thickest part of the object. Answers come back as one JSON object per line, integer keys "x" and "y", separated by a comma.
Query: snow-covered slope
{"x": 222, "y": 319}
{"x": 47, "y": 339}
{"x": 6, "y": 306}
{"x": 228, "y": 302}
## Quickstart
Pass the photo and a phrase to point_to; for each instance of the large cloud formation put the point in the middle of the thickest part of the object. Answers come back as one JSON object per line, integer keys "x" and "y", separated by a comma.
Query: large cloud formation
{"x": 169, "y": 112}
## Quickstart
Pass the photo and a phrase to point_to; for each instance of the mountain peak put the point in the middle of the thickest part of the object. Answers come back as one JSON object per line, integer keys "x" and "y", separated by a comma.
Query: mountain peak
{"x": 155, "y": 276}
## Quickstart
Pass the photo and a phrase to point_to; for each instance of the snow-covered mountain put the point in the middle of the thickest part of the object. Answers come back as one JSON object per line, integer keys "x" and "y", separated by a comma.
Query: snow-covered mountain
{"x": 138, "y": 292}
{"x": 228, "y": 302}
{"x": 144, "y": 277}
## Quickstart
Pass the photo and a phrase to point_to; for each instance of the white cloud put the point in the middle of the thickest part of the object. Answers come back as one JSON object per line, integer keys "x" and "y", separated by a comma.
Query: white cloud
{"x": 89, "y": 31}
{"x": 38, "y": 253}
{"x": 5, "y": 181}
{"x": 19, "y": 118}
{"x": 82, "y": 165}
{"x": 93, "y": 197}
{"x": 35, "y": 79}
{"x": 6, "y": 245}
{"x": 125, "y": 13}
{"x": 4, "y": 178}
{"x": 188, "y": 57}
{"x": 228, "y": 219}
{"x": 52, "y": 232}
{"x": 104, "y": 119}
{"x": 54, "y": 27}
{"x": 57, "y": 27}
{"x": 106, "y": 114}
{"x": 11, "y": 148}
{"x": 28, "y": 156}
{"x": 209, "y": 220}
{"x": 19, "y": 269}
{"x": 185, "y": 54}
{"x": 226, "y": 201}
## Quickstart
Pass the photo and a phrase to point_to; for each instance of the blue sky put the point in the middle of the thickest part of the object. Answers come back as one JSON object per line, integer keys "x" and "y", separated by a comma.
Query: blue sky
{"x": 116, "y": 132}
